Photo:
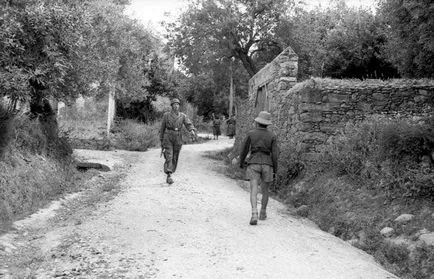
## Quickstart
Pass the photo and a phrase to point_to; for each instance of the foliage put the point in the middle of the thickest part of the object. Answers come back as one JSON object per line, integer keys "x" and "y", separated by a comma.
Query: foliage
{"x": 135, "y": 136}
{"x": 392, "y": 156}
{"x": 410, "y": 33}
{"x": 290, "y": 165}
{"x": 338, "y": 41}
{"x": 211, "y": 30}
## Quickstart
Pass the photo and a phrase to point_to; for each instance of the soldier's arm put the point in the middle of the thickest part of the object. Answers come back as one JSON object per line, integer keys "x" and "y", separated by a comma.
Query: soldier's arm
{"x": 188, "y": 124}
{"x": 162, "y": 128}
{"x": 245, "y": 150}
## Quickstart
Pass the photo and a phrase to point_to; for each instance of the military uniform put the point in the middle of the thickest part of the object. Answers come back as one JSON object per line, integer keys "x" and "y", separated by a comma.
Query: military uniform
{"x": 171, "y": 137}
{"x": 262, "y": 164}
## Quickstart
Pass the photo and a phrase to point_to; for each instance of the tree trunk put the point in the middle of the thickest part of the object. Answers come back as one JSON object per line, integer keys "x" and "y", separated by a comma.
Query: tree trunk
{"x": 247, "y": 62}
{"x": 231, "y": 90}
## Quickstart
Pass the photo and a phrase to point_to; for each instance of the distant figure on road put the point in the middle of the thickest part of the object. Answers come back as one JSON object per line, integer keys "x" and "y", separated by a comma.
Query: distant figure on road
{"x": 262, "y": 164}
{"x": 216, "y": 126}
{"x": 171, "y": 137}
{"x": 231, "y": 122}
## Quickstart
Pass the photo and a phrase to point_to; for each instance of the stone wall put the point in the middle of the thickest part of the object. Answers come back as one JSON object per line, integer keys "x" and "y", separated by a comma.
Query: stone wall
{"x": 314, "y": 110}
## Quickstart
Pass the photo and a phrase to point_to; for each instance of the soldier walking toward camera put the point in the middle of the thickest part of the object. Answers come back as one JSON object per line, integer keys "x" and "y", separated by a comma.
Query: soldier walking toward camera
{"x": 171, "y": 137}
{"x": 262, "y": 164}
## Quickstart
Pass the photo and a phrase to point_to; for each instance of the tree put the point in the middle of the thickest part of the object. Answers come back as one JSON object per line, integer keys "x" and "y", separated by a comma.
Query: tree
{"x": 338, "y": 41}
{"x": 410, "y": 33}
{"x": 210, "y": 30}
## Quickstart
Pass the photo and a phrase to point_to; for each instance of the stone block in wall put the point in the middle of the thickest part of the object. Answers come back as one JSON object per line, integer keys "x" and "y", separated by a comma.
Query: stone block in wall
{"x": 338, "y": 98}
{"x": 312, "y": 136}
{"x": 331, "y": 129}
{"x": 283, "y": 85}
{"x": 364, "y": 107}
{"x": 420, "y": 99}
{"x": 310, "y": 157}
{"x": 311, "y": 95}
{"x": 305, "y": 107}
{"x": 304, "y": 127}
{"x": 423, "y": 92}
{"x": 379, "y": 96}
{"x": 288, "y": 69}
{"x": 313, "y": 116}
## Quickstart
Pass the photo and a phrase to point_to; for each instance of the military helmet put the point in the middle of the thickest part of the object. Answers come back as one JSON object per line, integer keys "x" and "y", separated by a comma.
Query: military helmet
{"x": 175, "y": 100}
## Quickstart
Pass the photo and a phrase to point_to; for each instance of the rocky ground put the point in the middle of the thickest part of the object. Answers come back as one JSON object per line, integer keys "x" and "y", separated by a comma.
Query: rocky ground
{"x": 130, "y": 224}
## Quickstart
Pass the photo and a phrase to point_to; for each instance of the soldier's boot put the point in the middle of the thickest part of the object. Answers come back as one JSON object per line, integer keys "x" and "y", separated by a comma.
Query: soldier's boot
{"x": 169, "y": 179}
{"x": 254, "y": 219}
{"x": 262, "y": 214}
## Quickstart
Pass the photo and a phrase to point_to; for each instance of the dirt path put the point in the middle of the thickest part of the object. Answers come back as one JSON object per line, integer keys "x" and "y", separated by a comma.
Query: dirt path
{"x": 195, "y": 228}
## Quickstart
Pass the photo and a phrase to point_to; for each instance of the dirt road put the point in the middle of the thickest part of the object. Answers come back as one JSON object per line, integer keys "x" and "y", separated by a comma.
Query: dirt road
{"x": 196, "y": 228}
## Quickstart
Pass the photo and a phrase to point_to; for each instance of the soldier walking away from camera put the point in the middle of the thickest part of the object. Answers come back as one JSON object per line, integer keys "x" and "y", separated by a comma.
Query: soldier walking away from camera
{"x": 262, "y": 164}
{"x": 171, "y": 137}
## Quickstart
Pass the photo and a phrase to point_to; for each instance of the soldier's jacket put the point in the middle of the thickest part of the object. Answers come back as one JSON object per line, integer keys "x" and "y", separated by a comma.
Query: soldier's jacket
{"x": 172, "y": 123}
{"x": 262, "y": 145}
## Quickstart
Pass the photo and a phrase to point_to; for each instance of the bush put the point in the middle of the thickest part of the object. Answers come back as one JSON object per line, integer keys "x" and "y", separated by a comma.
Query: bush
{"x": 135, "y": 136}
{"x": 6, "y": 128}
{"x": 392, "y": 156}
{"x": 290, "y": 164}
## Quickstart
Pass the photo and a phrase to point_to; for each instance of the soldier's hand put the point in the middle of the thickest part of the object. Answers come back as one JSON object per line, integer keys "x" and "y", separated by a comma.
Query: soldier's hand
{"x": 193, "y": 135}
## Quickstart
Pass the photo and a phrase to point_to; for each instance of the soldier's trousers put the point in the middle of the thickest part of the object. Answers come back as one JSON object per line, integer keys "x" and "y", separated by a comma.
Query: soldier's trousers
{"x": 172, "y": 143}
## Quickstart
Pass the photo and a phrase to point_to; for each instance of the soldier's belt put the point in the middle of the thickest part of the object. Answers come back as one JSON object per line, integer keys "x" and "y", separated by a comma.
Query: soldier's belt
{"x": 173, "y": 129}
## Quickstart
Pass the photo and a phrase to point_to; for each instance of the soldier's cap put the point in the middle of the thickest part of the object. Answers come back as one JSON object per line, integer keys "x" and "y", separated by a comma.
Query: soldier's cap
{"x": 175, "y": 100}
{"x": 264, "y": 118}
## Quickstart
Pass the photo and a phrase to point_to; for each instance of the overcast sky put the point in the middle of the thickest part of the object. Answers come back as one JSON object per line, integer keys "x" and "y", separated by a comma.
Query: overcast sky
{"x": 150, "y": 12}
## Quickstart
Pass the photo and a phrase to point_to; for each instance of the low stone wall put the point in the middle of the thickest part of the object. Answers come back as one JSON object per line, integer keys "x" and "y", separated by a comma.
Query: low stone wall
{"x": 316, "y": 109}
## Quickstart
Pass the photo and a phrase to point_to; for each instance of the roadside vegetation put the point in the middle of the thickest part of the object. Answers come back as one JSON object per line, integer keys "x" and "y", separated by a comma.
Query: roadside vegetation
{"x": 35, "y": 166}
{"x": 365, "y": 177}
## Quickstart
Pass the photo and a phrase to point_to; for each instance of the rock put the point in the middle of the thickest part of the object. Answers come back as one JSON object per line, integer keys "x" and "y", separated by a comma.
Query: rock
{"x": 362, "y": 237}
{"x": 404, "y": 218}
{"x": 353, "y": 242}
{"x": 421, "y": 232}
{"x": 387, "y": 232}
{"x": 302, "y": 210}
{"x": 427, "y": 238}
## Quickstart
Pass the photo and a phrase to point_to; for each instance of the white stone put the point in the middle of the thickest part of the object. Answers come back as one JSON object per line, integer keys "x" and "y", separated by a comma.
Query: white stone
{"x": 387, "y": 231}
{"x": 404, "y": 218}
{"x": 428, "y": 238}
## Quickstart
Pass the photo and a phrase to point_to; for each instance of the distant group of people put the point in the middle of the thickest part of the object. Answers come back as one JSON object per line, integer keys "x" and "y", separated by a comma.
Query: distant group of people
{"x": 216, "y": 126}
{"x": 260, "y": 143}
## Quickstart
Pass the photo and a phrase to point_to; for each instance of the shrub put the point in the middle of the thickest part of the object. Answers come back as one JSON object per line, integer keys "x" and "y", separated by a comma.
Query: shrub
{"x": 135, "y": 136}
{"x": 388, "y": 155}
{"x": 290, "y": 164}
{"x": 6, "y": 129}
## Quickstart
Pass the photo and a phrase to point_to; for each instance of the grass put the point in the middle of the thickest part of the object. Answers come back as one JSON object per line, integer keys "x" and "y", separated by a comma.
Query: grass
{"x": 36, "y": 167}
